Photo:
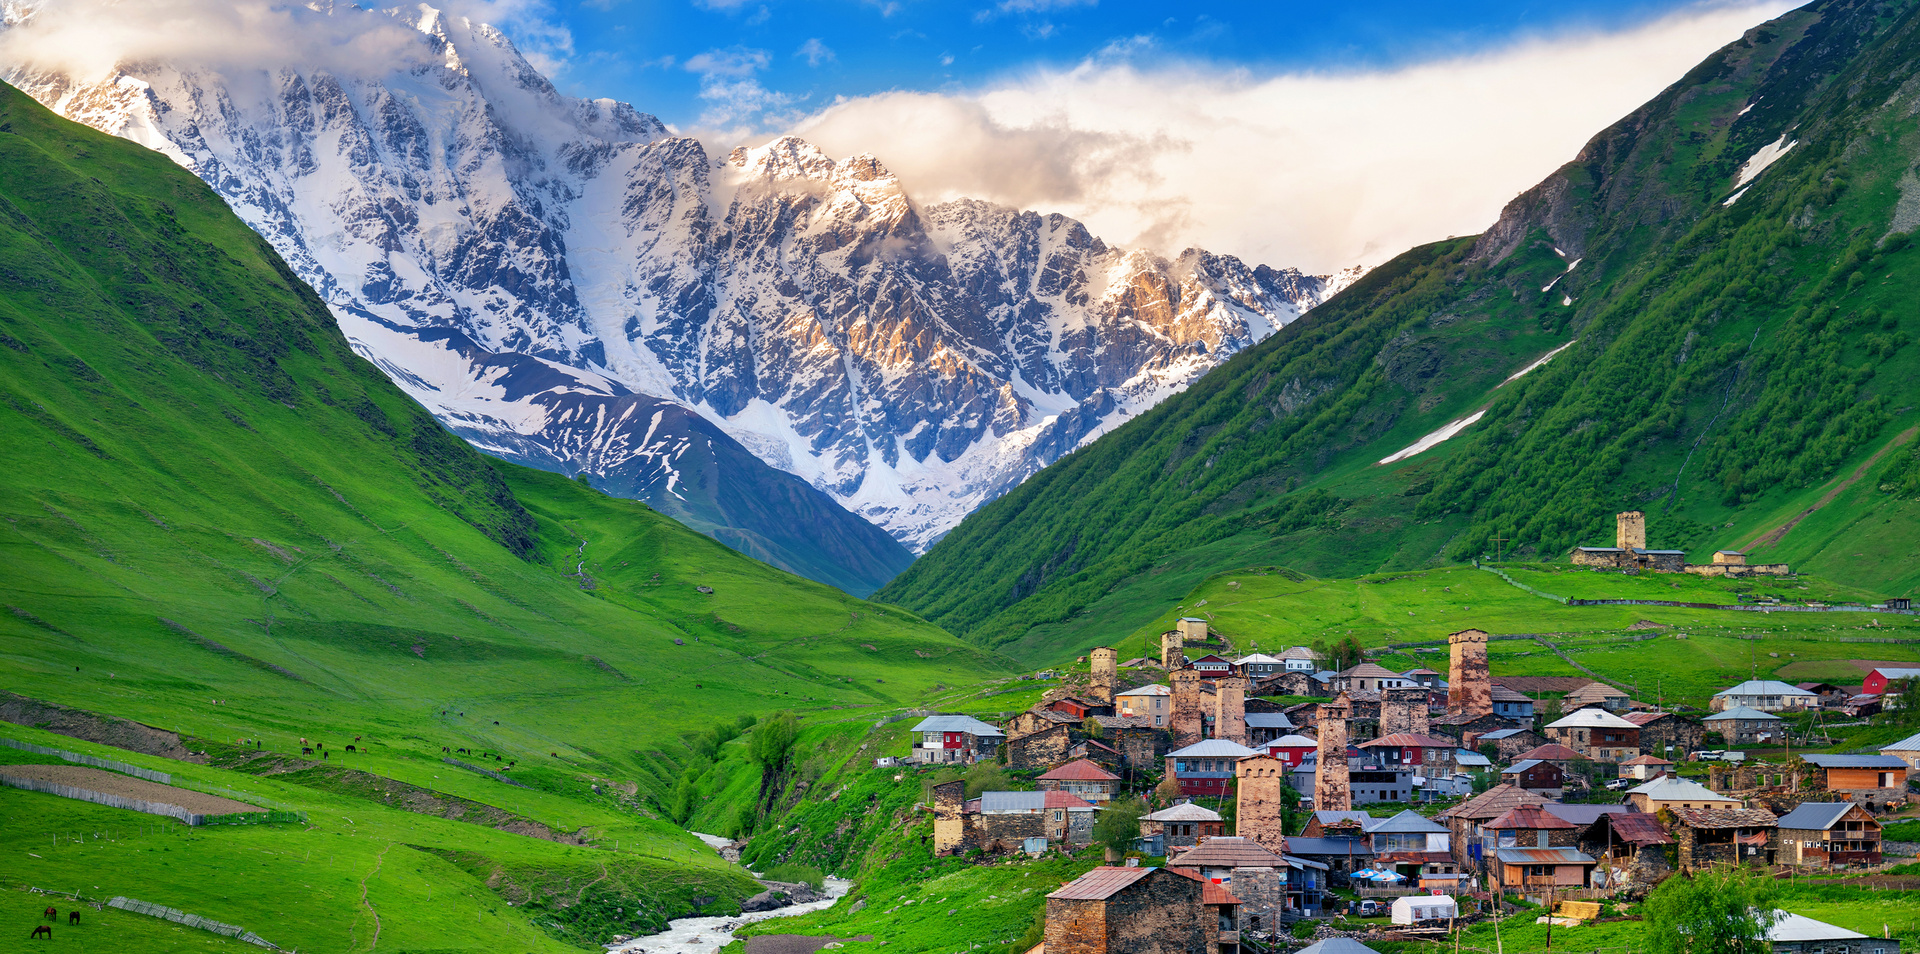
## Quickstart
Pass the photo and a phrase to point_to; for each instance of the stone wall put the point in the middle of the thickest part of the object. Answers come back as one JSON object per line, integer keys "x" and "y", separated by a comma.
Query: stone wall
{"x": 1106, "y": 674}
{"x": 1405, "y": 710}
{"x": 1230, "y": 709}
{"x": 1159, "y": 914}
{"x": 1043, "y": 749}
{"x": 949, "y": 825}
{"x": 1263, "y": 893}
{"x": 1259, "y": 809}
{"x": 1188, "y": 721}
{"x": 1331, "y": 789}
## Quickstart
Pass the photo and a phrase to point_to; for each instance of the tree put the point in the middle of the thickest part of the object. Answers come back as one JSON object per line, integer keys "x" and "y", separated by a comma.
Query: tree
{"x": 987, "y": 777}
{"x": 1722, "y": 910}
{"x": 1343, "y": 653}
{"x": 1168, "y": 790}
{"x": 1119, "y": 825}
{"x": 772, "y": 740}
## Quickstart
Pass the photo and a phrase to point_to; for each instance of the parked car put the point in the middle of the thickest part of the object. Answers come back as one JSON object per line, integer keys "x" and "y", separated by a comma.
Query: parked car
{"x": 1371, "y": 909}
{"x": 1620, "y": 783}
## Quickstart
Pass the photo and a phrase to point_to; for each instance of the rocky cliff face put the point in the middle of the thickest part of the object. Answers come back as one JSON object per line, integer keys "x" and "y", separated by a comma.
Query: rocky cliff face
{"x": 910, "y": 362}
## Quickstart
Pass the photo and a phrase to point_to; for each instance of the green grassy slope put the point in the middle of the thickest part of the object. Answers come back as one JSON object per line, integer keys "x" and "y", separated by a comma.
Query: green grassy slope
{"x": 219, "y": 521}
{"x": 1732, "y": 367}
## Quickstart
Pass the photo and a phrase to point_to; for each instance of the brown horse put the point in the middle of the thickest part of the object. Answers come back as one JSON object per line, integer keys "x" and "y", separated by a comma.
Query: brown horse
{"x": 40, "y": 930}
{"x": 73, "y": 918}
{"x": 51, "y": 913}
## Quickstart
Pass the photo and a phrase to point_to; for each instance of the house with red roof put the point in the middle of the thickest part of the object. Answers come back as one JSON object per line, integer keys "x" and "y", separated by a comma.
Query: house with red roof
{"x": 1646, "y": 768}
{"x": 1083, "y": 778}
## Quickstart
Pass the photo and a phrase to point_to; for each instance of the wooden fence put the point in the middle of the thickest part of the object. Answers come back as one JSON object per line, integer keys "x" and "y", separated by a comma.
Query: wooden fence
{"x": 151, "y": 808}
{"x": 178, "y": 916}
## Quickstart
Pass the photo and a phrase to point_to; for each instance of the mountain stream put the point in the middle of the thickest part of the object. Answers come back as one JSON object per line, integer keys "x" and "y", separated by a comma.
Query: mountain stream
{"x": 707, "y": 935}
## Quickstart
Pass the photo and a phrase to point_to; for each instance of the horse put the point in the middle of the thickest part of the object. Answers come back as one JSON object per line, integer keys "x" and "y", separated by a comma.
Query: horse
{"x": 352, "y": 749}
{"x": 306, "y": 750}
{"x": 445, "y": 750}
{"x": 51, "y": 913}
{"x": 326, "y": 755}
{"x": 356, "y": 739}
{"x": 41, "y": 930}
{"x": 73, "y": 918}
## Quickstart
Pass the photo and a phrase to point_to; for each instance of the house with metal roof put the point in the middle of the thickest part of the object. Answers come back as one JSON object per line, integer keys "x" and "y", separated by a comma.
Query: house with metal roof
{"x": 1887, "y": 679}
{"x": 1508, "y": 740}
{"x": 954, "y": 738}
{"x": 1291, "y": 749}
{"x": 1263, "y": 727}
{"x": 1828, "y": 835}
{"x": 1665, "y": 733}
{"x": 1537, "y": 776}
{"x": 1540, "y": 869}
{"x": 1004, "y": 820}
{"x": 1628, "y": 845}
{"x": 1673, "y": 792}
{"x": 1301, "y": 659}
{"x": 1906, "y": 750}
{"x": 1084, "y": 778}
{"x": 1509, "y": 704}
{"x": 1645, "y": 768}
{"x": 1204, "y": 769}
{"x": 1597, "y": 694}
{"x": 1597, "y": 734}
{"x": 1798, "y": 934}
{"x": 1260, "y": 665}
{"x": 1181, "y": 826}
{"x": 1153, "y": 701}
{"x": 1871, "y": 780}
{"x": 1744, "y": 725}
{"x": 1766, "y": 695}
{"x": 1473, "y": 843}
{"x": 1143, "y": 910}
{"x": 1369, "y": 677}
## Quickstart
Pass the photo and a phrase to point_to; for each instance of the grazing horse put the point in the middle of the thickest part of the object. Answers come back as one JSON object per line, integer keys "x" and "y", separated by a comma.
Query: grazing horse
{"x": 306, "y": 750}
{"x": 352, "y": 749}
{"x": 40, "y": 930}
{"x": 444, "y": 749}
{"x": 73, "y": 918}
{"x": 356, "y": 738}
{"x": 51, "y": 913}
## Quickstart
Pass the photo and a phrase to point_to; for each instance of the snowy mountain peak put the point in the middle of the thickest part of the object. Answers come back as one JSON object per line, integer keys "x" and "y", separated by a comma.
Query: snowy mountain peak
{"x": 913, "y": 362}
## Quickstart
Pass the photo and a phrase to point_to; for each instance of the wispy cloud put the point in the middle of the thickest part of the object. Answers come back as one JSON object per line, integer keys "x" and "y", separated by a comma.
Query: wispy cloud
{"x": 815, "y": 52}
{"x": 1317, "y": 170}
{"x": 730, "y": 86}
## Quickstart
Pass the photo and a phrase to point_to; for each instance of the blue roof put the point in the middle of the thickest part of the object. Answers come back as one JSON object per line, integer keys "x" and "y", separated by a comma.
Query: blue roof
{"x": 1814, "y": 816}
{"x": 1856, "y": 761}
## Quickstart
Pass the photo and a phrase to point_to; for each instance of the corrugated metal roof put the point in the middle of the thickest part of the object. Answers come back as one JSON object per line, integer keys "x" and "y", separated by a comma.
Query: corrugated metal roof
{"x": 1638, "y": 828}
{"x": 1214, "y": 748}
{"x": 1329, "y": 846}
{"x": 1668, "y": 788}
{"x": 1814, "y": 816}
{"x": 1188, "y": 812}
{"x": 1409, "y": 740}
{"x": 1543, "y": 856}
{"x": 1521, "y": 766}
{"x": 1856, "y": 761}
{"x": 1909, "y": 744}
{"x": 1100, "y": 883}
{"x": 1268, "y": 720}
{"x": 1338, "y": 945}
{"x": 1583, "y": 814}
{"x": 1646, "y": 760}
{"x": 1151, "y": 689}
{"x": 993, "y": 802}
{"x": 1081, "y": 770}
{"x": 1530, "y": 817}
{"x": 1491, "y": 803}
{"x": 1406, "y": 822}
{"x": 1592, "y": 719}
{"x": 1551, "y": 752}
{"x": 1763, "y": 687}
{"x": 957, "y": 723}
{"x": 1742, "y": 713}
{"x": 1795, "y": 927}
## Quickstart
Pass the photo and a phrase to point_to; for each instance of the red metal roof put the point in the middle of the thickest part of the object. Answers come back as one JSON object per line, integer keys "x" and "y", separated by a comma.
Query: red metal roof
{"x": 1639, "y": 828}
{"x": 1080, "y": 770}
{"x": 1066, "y": 800}
{"x": 1100, "y": 883}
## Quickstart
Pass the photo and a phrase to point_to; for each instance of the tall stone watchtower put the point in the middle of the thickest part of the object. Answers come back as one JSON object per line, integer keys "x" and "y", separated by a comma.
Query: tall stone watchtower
{"x": 1332, "y": 791}
{"x": 1106, "y": 673}
{"x": 1230, "y": 709}
{"x": 1188, "y": 721}
{"x": 1173, "y": 650}
{"x": 1258, "y": 813}
{"x": 1630, "y": 530}
{"x": 1470, "y": 686}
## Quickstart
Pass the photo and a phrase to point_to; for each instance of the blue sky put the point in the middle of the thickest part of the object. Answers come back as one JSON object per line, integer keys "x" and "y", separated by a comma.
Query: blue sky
{"x": 798, "y": 56}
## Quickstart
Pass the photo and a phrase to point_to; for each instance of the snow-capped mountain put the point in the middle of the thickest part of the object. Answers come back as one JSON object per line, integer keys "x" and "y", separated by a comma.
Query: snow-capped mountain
{"x": 910, "y": 361}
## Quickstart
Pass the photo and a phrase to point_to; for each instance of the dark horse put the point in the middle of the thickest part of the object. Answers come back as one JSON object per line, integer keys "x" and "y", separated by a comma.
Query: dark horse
{"x": 73, "y": 917}
{"x": 51, "y": 913}
{"x": 42, "y": 929}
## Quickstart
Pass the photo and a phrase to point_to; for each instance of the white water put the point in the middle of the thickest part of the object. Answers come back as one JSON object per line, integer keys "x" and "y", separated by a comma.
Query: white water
{"x": 707, "y": 935}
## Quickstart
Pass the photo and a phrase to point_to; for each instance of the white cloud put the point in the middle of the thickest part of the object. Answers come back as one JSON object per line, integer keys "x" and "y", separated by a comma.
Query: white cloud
{"x": 815, "y": 52}
{"x": 1315, "y": 170}
{"x": 728, "y": 84}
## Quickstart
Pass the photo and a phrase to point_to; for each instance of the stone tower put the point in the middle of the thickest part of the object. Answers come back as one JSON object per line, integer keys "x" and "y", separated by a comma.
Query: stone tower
{"x": 1188, "y": 720}
{"x": 1257, "y": 813}
{"x": 1106, "y": 673}
{"x": 949, "y": 823}
{"x": 1230, "y": 709}
{"x": 1331, "y": 790}
{"x": 1173, "y": 650}
{"x": 1403, "y": 710}
{"x": 1470, "y": 687}
{"x": 1630, "y": 530}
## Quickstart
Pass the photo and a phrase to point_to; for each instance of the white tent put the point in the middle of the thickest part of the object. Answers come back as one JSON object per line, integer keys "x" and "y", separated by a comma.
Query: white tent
{"x": 1415, "y": 908}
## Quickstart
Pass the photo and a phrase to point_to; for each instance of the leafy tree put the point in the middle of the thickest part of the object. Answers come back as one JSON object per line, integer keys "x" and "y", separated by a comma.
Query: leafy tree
{"x": 987, "y": 777}
{"x": 1491, "y": 750}
{"x": 772, "y": 741}
{"x": 1168, "y": 790}
{"x": 1342, "y": 653}
{"x": 1722, "y": 910}
{"x": 1119, "y": 824}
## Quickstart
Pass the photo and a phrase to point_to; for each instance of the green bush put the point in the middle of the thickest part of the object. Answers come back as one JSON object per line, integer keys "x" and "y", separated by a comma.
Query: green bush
{"x": 796, "y": 874}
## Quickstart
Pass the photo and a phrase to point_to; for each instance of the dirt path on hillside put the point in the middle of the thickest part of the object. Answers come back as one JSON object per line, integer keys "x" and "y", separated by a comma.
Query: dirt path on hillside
{"x": 109, "y": 783}
{"x": 1773, "y": 536}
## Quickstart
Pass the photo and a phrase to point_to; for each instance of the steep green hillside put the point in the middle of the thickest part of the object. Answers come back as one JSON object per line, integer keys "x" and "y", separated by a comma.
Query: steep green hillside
{"x": 1733, "y": 364}
{"x": 220, "y": 521}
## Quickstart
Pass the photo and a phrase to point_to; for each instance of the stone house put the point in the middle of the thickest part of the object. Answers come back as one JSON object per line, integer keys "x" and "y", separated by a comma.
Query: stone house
{"x": 1630, "y": 846}
{"x": 1205, "y": 768}
{"x": 1509, "y": 742}
{"x": 1766, "y": 695}
{"x": 1473, "y": 843}
{"x": 1597, "y": 734}
{"x": 1906, "y": 750}
{"x": 1717, "y": 836}
{"x": 1255, "y": 875}
{"x": 1828, "y": 835}
{"x": 1671, "y": 792}
{"x": 1795, "y": 934}
{"x": 1369, "y": 677}
{"x": 1532, "y": 826}
{"x": 1876, "y": 781}
{"x": 1003, "y": 821}
{"x": 1183, "y": 825}
{"x": 1139, "y": 743}
{"x": 1324, "y": 824}
{"x": 1049, "y": 746}
{"x": 1741, "y": 725}
{"x": 1666, "y": 734}
{"x": 1097, "y": 752}
{"x": 1536, "y": 777}
{"x": 1082, "y": 778}
{"x": 1264, "y": 727}
{"x": 1291, "y": 682}
{"x": 1038, "y": 719}
{"x": 954, "y": 738}
{"x": 1141, "y": 911}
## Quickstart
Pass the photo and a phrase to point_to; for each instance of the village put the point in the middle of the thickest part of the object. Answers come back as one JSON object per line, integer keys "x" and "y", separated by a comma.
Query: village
{"x": 1254, "y": 820}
